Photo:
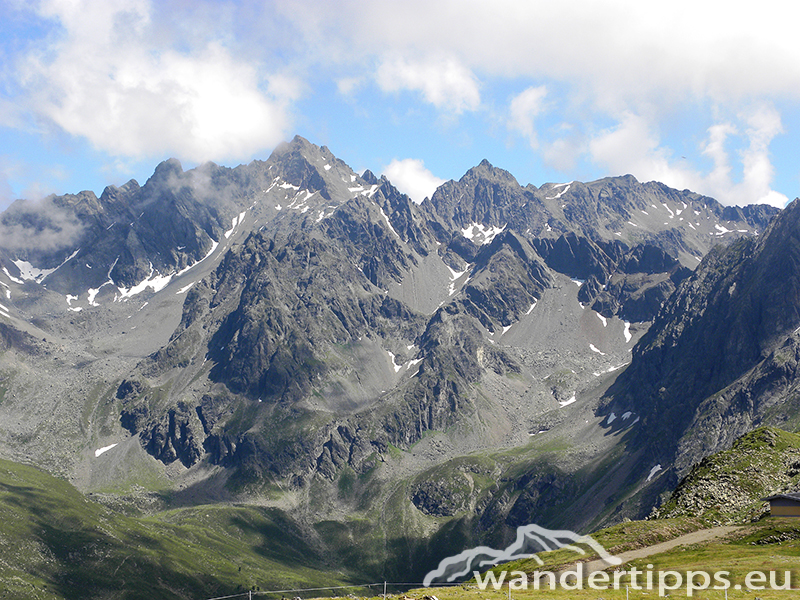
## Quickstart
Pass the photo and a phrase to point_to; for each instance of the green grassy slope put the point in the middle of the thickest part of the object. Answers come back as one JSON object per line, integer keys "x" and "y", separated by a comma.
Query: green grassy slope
{"x": 726, "y": 487}
{"x": 55, "y": 543}
{"x": 769, "y": 545}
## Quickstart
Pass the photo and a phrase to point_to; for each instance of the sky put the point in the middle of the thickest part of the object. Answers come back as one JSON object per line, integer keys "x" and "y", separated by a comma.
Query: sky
{"x": 699, "y": 95}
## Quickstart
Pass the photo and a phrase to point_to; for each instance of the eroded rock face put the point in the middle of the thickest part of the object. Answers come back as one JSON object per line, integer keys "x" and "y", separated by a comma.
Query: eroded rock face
{"x": 638, "y": 286}
{"x": 174, "y": 438}
{"x": 722, "y": 351}
{"x": 295, "y": 321}
{"x": 176, "y": 435}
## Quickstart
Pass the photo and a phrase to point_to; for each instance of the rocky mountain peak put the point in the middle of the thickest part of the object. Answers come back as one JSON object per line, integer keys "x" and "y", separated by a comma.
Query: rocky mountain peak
{"x": 486, "y": 171}
{"x": 171, "y": 167}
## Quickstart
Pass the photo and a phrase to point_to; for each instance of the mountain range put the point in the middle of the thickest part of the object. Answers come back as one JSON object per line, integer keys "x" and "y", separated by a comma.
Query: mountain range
{"x": 399, "y": 380}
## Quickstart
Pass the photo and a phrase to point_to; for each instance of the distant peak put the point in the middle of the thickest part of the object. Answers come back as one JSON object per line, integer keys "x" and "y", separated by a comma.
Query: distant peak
{"x": 369, "y": 177}
{"x": 171, "y": 166}
{"x": 629, "y": 179}
{"x": 485, "y": 170}
{"x": 296, "y": 146}
{"x": 299, "y": 140}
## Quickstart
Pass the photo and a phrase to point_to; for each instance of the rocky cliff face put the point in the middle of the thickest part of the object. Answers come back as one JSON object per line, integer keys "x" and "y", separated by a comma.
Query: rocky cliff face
{"x": 720, "y": 357}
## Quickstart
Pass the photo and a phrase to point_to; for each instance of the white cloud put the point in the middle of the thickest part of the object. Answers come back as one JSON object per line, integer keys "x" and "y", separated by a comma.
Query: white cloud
{"x": 621, "y": 49}
{"x": 631, "y": 147}
{"x": 112, "y": 79}
{"x": 524, "y": 109}
{"x": 763, "y": 125}
{"x": 6, "y": 192}
{"x": 138, "y": 78}
{"x": 715, "y": 149}
{"x": 634, "y": 147}
{"x": 445, "y": 83}
{"x": 41, "y": 225}
{"x": 412, "y": 178}
{"x": 349, "y": 85}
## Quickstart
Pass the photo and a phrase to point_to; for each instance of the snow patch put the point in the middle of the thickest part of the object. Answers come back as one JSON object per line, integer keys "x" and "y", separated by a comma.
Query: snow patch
{"x": 235, "y": 222}
{"x": 386, "y": 218}
{"x": 530, "y": 310}
{"x": 568, "y": 402}
{"x": 627, "y": 332}
{"x": 653, "y": 471}
{"x": 155, "y": 281}
{"x": 722, "y": 230}
{"x": 394, "y": 364}
{"x": 103, "y": 450}
{"x": 562, "y": 192}
{"x": 30, "y": 273}
{"x": 611, "y": 418}
{"x": 92, "y": 292}
{"x": 184, "y": 289}
{"x": 214, "y": 245}
{"x": 454, "y": 275}
{"x": 478, "y": 230}
{"x": 593, "y": 348}
{"x": 609, "y": 370}
{"x": 602, "y": 318}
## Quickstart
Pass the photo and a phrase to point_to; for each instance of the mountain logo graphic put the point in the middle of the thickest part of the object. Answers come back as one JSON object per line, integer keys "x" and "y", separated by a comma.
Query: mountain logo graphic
{"x": 530, "y": 541}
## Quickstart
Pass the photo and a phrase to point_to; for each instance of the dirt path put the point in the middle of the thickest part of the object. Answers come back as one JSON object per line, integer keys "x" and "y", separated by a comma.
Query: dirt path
{"x": 696, "y": 537}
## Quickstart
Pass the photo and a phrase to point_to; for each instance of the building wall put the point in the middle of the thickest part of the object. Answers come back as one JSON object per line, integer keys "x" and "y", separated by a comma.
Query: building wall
{"x": 788, "y": 510}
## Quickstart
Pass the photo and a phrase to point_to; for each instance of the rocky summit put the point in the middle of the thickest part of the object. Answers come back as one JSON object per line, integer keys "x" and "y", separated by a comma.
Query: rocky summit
{"x": 397, "y": 380}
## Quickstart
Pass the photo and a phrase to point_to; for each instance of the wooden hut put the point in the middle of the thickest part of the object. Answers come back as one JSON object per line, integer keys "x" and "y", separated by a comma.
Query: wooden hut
{"x": 784, "y": 505}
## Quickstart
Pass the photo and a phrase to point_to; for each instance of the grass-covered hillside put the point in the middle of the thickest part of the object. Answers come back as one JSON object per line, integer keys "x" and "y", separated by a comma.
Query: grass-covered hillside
{"x": 726, "y": 487}
{"x": 56, "y": 543}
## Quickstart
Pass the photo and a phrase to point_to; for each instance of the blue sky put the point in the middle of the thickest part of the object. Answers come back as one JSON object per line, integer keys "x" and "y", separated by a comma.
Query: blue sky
{"x": 699, "y": 95}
